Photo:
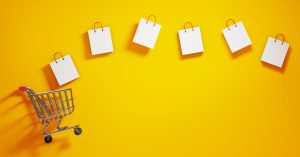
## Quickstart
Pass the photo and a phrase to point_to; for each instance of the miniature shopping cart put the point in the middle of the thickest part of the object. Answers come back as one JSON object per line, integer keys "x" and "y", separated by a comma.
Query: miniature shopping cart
{"x": 52, "y": 106}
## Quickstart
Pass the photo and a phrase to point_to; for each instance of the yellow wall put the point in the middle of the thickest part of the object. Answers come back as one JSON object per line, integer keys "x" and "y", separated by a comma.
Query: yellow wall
{"x": 134, "y": 103}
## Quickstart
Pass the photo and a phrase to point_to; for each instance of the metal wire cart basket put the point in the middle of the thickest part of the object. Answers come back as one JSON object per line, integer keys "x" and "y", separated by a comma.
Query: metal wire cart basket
{"x": 50, "y": 107}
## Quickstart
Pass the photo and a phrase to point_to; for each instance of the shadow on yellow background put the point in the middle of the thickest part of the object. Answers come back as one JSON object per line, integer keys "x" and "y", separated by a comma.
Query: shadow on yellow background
{"x": 87, "y": 49}
{"x": 240, "y": 52}
{"x": 282, "y": 69}
{"x": 26, "y": 138}
{"x": 136, "y": 48}
{"x": 50, "y": 78}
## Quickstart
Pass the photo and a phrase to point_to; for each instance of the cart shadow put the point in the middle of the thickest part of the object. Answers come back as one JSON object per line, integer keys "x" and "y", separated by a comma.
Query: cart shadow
{"x": 87, "y": 48}
{"x": 133, "y": 47}
{"x": 12, "y": 107}
{"x": 25, "y": 138}
{"x": 285, "y": 63}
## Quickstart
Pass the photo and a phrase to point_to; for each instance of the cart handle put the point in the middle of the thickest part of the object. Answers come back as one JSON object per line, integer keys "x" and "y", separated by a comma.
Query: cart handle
{"x": 22, "y": 88}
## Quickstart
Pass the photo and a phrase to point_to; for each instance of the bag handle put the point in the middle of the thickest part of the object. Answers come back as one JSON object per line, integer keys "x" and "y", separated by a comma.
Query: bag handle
{"x": 184, "y": 26}
{"x": 58, "y": 53}
{"x": 283, "y": 38}
{"x": 96, "y": 24}
{"x": 153, "y": 17}
{"x": 232, "y": 21}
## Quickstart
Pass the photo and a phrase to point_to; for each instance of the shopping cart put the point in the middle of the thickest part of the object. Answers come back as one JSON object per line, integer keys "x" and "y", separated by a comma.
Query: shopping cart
{"x": 52, "y": 106}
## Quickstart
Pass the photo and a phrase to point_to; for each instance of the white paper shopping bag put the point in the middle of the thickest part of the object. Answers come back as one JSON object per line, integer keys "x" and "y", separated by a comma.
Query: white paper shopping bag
{"x": 236, "y": 36}
{"x": 275, "y": 51}
{"x": 147, "y": 33}
{"x": 190, "y": 40}
{"x": 100, "y": 40}
{"x": 64, "y": 69}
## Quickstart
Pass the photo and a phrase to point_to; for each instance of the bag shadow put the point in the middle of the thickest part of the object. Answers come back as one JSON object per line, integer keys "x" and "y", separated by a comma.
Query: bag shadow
{"x": 139, "y": 49}
{"x": 87, "y": 48}
{"x": 278, "y": 69}
{"x": 239, "y": 52}
{"x": 189, "y": 56}
{"x": 52, "y": 83}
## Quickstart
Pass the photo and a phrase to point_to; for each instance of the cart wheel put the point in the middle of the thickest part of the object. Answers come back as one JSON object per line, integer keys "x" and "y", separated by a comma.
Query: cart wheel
{"x": 77, "y": 131}
{"x": 48, "y": 139}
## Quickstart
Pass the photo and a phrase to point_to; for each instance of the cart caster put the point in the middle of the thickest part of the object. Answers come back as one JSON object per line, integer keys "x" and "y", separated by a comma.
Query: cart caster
{"x": 48, "y": 139}
{"x": 77, "y": 131}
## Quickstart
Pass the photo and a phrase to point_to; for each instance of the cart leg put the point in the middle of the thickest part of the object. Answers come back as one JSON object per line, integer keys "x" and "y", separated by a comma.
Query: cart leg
{"x": 58, "y": 124}
{"x": 45, "y": 128}
{"x": 48, "y": 138}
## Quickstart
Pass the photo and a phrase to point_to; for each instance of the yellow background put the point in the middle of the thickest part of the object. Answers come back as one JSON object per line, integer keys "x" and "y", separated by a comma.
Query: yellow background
{"x": 138, "y": 103}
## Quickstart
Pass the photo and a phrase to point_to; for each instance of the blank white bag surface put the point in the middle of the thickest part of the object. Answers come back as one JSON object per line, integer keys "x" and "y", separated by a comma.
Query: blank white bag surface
{"x": 190, "y": 41}
{"x": 237, "y": 37}
{"x": 146, "y": 33}
{"x": 275, "y": 52}
{"x": 64, "y": 70}
{"x": 100, "y": 41}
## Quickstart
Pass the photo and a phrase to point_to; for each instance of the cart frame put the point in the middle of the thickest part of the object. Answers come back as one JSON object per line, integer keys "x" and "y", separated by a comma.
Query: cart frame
{"x": 52, "y": 106}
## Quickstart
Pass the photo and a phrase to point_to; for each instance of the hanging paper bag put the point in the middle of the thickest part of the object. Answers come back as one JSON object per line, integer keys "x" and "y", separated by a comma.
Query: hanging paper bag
{"x": 100, "y": 40}
{"x": 63, "y": 69}
{"x": 236, "y": 36}
{"x": 275, "y": 51}
{"x": 190, "y": 40}
{"x": 147, "y": 33}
